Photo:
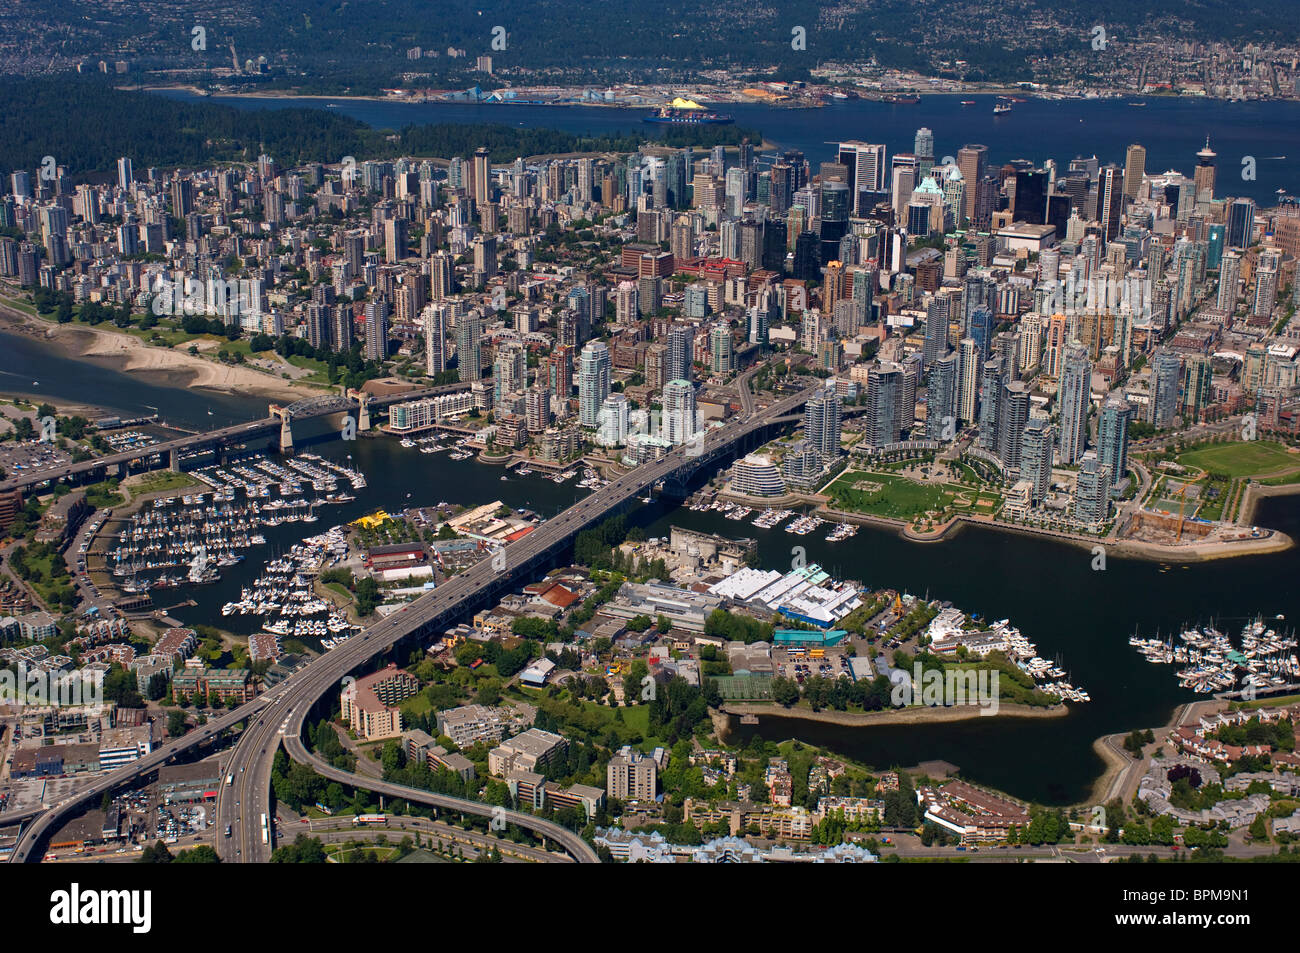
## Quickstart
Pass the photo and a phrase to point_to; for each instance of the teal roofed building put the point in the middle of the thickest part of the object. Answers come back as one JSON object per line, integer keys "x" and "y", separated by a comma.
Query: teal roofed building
{"x": 813, "y": 574}
{"x": 810, "y": 637}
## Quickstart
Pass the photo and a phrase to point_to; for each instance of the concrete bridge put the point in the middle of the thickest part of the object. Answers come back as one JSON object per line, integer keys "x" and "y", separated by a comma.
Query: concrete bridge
{"x": 281, "y": 713}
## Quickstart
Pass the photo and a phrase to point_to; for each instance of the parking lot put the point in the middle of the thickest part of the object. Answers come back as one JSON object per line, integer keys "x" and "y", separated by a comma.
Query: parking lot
{"x": 17, "y": 457}
{"x": 181, "y": 821}
{"x": 801, "y": 664}
{"x": 75, "y": 557}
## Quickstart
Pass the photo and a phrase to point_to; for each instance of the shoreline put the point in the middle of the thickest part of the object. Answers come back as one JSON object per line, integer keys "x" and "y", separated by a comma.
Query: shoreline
{"x": 1117, "y": 779}
{"x": 1122, "y": 772}
{"x": 166, "y": 367}
{"x": 1262, "y": 491}
{"x": 916, "y": 715}
{"x": 1275, "y": 542}
{"x": 1045, "y": 95}
{"x": 766, "y": 145}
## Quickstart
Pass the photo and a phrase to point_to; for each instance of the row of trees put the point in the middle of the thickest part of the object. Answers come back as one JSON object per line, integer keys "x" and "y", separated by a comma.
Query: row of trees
{"x": 737, "y": 628}
{"x": 507, "y": 661}
{"x": 836, "y": 693}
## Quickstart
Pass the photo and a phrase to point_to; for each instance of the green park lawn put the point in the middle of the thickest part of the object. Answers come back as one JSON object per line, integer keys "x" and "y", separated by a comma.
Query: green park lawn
{"x": 1249, "y": 458}
{"x": 896, "y": 497}
{"x": 19, "y": 304}
{"x": 160, "y": 481}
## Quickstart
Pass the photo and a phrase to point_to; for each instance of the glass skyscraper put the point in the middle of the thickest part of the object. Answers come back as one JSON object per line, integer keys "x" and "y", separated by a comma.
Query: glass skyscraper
{"x": 1073, "y": 395}
{"x": 884, "y": 390}
{"x": 1112, "y": 438}
{"x": 1036, "y": 457}
{"x": 1241, "y": 223}
{"x": 1166, "y": 368}
{"x": 821, "y": 423}
{"x": 593, "y": 382}
{"x": 941, "y": 398}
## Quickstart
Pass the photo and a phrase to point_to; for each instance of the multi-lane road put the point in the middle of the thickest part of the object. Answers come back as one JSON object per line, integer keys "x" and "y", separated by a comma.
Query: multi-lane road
{"x": 284, "y": 718}
{"x": 573, "y": 844}
{"x": 45, "y": 823}
{"x": 279, "y": 714}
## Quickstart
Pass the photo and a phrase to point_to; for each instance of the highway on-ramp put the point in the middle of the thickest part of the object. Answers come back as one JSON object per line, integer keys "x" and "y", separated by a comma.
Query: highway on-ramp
{"x": 279, "y": 713}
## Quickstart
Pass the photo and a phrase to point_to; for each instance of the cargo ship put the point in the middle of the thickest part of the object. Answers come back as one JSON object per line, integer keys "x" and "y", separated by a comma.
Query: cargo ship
{"x": 669, "y": 115}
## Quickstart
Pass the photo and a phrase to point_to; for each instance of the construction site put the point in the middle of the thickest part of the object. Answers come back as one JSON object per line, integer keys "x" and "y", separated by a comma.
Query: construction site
{"x": 1188, "y": 511}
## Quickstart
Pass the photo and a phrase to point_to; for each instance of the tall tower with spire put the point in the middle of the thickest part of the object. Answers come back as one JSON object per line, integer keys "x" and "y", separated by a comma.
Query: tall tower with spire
{"x": 1204, "y": 175}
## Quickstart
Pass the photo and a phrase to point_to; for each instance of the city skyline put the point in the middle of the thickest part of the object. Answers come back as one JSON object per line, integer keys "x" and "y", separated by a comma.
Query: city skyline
{"x": 909, "y": 477}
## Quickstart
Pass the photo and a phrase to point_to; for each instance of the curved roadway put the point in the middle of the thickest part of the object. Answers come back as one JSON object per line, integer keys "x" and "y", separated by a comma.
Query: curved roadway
{"x": 279, "y": 713}
{"x": 578, "y": 848}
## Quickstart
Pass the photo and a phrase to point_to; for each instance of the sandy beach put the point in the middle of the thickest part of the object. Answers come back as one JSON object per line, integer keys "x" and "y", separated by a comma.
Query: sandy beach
{"x": 167, "y": 366}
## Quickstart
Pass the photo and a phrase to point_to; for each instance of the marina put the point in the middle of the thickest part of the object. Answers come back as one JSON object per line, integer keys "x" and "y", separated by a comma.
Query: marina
{"x": 1030, "y": 579}
{"x": 1265, "y": 659}
{"x": 591, "y": 480}
{"x": 284, "y": 597}
{"x": 190, "y": 538}
{"x": 805, "y": 525}
{"x": 950, "y": 630}
{"x": 772, "y": 518}
{"x": 458, "y": 449}
{"x": 842, "y": 531}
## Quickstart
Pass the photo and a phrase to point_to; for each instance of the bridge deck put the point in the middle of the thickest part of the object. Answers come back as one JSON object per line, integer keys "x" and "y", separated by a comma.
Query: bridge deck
{"x": 307, "y": 409}
{"x": 292, "y": 698}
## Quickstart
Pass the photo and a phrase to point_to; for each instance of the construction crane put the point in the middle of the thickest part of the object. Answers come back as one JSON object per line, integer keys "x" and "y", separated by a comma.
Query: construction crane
{"x": 1181, "y": 497}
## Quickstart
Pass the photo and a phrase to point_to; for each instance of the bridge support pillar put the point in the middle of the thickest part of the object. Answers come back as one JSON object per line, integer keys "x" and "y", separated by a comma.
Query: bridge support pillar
{"x": 122, "y": 470}
{"x": 363, "y": 409}
{"x": 174, "y": 461}
{"x": 675, "y": 487}
{"x": 286, "y": 435}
